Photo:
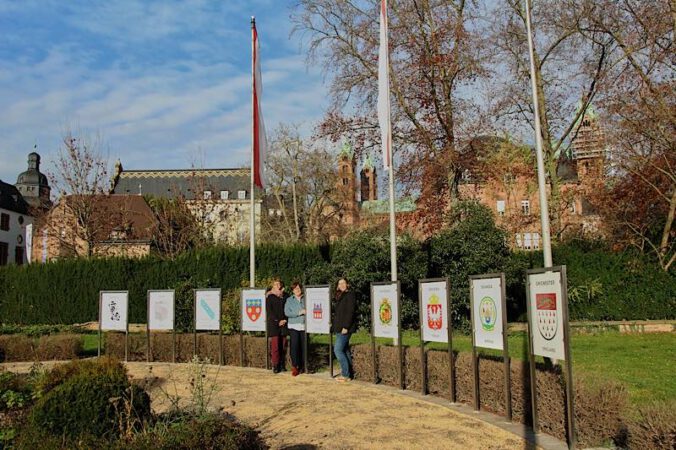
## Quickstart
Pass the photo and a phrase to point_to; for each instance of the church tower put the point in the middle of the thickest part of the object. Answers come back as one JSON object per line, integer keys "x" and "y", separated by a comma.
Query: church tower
{"x": 589, "y": 147}
{"x": 33, "y": 184}
{"x": 346, "y": 185}
{"x": 369, "y": 184}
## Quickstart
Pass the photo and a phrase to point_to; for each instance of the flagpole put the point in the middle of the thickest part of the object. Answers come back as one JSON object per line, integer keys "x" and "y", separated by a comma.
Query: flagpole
{"x": 252, "y": 228}
{"x": 544, "y": 207}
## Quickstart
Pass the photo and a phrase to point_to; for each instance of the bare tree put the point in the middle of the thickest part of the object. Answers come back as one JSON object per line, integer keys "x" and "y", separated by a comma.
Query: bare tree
{"x": 435, "y": 52}
{"x": 639, "y": 96}
{"x": 176, "y": 228}
{"x": 568, "y": 72}
{"x": 302, "y": 178}
{"x": 81, "y": 178}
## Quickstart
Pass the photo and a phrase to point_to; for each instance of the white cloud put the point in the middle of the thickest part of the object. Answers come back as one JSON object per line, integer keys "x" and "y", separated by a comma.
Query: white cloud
{"x": 151, "y": 115}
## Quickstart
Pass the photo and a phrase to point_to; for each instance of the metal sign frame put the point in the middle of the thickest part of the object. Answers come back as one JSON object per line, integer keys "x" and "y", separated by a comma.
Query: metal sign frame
{"x": 568, "y": 370}
{"x": 373, "y": 337}
{"x": 126, "y": 332}
{"x": 505, "y": 344}
{"x": 220, "y": 322}
{"x": 449, "y": 330}
{"x": 173, "y": 329}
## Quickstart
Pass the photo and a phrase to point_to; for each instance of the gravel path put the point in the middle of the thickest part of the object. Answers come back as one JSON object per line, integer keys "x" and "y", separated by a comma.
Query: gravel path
{"x": 314, "y": 411}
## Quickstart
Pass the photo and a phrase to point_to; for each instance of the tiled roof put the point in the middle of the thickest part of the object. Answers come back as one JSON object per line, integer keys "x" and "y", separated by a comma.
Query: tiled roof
{"x": 174, "y": 183}
{"x": 11, "y": 199}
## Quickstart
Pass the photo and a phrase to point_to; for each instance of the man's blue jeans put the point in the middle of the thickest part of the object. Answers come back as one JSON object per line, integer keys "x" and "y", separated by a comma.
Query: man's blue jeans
{"x": 343, "y": 354}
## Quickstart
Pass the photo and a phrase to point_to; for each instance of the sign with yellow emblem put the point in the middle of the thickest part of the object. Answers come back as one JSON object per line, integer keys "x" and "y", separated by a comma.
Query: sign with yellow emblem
{"x": 384, "y": 304}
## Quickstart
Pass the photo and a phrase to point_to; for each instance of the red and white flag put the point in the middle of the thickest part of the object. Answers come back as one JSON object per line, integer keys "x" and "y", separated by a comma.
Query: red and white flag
{"x": 260, "y": 142}
{"x": 384, "y": 88}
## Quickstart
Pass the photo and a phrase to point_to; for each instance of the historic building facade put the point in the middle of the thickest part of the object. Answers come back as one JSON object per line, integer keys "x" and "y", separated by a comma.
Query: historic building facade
{"x": 501, "y": 176}
{"x": 14, "y": 218}
{"x": 219, "y": 198}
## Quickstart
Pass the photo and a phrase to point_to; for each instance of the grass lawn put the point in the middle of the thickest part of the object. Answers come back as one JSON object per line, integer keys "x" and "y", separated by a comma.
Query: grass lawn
{"x": 90, "y": 344}
{"x": 646, "y": 363}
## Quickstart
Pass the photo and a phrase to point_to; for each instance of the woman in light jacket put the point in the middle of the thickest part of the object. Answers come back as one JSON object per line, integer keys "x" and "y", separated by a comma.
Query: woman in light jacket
{"x": 294, "y": 310}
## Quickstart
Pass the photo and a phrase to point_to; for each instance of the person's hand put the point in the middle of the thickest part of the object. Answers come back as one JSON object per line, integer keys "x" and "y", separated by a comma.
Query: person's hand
{"x": 343, "y": 331}
{"x": 282, "y": 323}
{"x": 302, "y": 312}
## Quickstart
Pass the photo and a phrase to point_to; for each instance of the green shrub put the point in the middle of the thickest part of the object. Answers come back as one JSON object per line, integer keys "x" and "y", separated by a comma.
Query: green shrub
{"x": 191, "y": 432}
{"x": 15, "y": 391}
{"x": 472, "y": 244}
{"x": 89, "y": 398}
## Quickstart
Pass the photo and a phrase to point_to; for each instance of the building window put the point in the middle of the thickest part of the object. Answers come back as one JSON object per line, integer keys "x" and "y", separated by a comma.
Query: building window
{"x": 241, "y": 195}
{"x": 345, "y": 181}
{"x": 519, "y": 243}
{"x": 525, "y": 207}
{"x": 18, "y": 255}
{"x": 527, "y": 241}
{"x": 225, "y": 195}
{"x": 4, "y": 248}
{"x": 573, "y": 208}
{"x": 500, "y": 207}
{"x": 207, "y": 195}
{"x": 536, "y": 241}
{"x": 4, "y": 222}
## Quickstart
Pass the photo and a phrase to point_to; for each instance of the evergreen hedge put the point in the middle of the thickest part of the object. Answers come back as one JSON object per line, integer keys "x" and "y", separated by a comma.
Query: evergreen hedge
{"x": 602, "y": 285}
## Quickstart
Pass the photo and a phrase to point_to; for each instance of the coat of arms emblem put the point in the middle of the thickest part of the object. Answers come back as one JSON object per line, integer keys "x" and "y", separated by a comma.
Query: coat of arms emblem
{"x": 488, "y": 313}
{"x": 434, "y": 317}
{"x": 546, "y": 315}
{"x": 317, "y": 311}
{"x": 385, "y": 312}
{"x": 254, "y": 307}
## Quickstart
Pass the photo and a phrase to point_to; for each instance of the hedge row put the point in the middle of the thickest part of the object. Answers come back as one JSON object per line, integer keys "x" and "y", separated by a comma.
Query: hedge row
{"x": 602, "y": 285}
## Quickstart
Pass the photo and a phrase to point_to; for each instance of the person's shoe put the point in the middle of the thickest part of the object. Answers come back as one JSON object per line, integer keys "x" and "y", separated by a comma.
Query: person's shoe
{"x": 342, "y": 379}
{"x": 275, "y": 369}
{"x": 295, "y": 372}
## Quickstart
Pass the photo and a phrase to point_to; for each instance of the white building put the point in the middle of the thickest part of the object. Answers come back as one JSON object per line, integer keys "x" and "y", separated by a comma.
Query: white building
{"x": 14, "y": 217}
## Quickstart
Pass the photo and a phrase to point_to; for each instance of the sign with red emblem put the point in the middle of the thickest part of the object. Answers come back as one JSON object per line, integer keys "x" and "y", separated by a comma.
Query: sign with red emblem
{"x": 253, "y": 310}
{"x": 318, "y": 303}
{"x": 546, "y": 314}
{"x": 434, "y": 308}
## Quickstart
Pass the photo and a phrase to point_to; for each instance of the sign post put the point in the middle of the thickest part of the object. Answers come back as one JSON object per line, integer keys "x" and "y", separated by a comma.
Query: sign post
{"x": 318, "y": 314}
{"x": 435, "y": 326}
{"x": 161, "y": 317}
{"x": 488, "y": 309}
{"x": 549, "y": 333}
{"x": 386, "y": 320}
{"x": 208, "y": 316}
{"x": 113, "y": 315}
{"x": 253, "y": 317}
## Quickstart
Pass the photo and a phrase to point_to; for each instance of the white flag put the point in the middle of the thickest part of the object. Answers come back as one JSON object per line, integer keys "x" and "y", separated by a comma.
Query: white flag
{"x": 29, "y": 242}
{"x": 384, "y": 88}
{"x": 260, "y": 142}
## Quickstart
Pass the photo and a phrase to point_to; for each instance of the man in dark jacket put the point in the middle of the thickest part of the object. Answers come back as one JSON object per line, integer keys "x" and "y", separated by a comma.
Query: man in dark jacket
{"x": 276, "y": 323}
{"x": 344, "y": 324}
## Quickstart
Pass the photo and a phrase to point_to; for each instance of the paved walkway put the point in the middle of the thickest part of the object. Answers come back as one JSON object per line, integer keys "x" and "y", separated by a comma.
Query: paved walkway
{"x": 314, "y": 411}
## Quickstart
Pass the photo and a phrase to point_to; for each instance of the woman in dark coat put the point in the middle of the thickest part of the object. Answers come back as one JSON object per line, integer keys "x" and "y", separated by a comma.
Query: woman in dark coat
{"x": 344, "y": 324}
{"x": 276, "y": 322}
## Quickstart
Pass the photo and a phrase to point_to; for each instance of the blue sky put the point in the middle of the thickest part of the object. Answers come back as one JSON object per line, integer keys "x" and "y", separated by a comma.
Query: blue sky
{"x": 164, "y": 83}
